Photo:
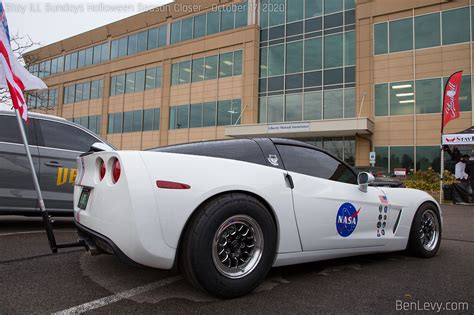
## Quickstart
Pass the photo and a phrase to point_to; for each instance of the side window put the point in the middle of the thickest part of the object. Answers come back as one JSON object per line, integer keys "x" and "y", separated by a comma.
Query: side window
{"x": 62, "y": 136}
{"x": 9, "y": 131}
{"x": 315, "y": 163}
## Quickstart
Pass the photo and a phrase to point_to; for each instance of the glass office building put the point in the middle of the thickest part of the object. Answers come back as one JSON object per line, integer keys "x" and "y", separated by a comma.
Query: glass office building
{"x": 348, "y": 76}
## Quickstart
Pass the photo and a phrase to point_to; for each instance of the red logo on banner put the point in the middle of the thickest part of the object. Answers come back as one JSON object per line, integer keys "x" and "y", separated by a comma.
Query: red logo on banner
{"x": 451, "y": 98}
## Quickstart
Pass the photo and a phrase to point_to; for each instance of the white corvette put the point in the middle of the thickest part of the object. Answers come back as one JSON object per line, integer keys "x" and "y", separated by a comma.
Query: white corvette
{"x": 225, "y": 212}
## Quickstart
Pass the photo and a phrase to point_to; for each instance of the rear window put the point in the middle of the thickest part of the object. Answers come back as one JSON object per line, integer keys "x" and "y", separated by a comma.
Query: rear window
{"x": 9, "y": 131}
{"x": 242, "y": 150}
{"x": 63, "y": 136}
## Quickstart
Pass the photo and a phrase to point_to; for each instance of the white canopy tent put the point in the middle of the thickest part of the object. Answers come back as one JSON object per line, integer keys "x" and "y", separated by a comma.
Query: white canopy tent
{"x": 463, "y": 140}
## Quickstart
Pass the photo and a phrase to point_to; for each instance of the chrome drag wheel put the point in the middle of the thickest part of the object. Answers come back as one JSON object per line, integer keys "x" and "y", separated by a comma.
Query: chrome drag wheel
{"x": 237, "y": 247}
{"x": 229, "y": 245}
{"x": 429, "y": 230}
{"x": 425, "y": 233}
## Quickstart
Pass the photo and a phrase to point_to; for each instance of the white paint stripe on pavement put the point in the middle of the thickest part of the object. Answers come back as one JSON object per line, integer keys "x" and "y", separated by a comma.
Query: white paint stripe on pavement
{"x": 118, "y": 297}
{"x": 35, "y": 232}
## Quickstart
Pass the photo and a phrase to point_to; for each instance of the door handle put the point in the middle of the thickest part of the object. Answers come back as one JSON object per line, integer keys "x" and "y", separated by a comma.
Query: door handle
{"x": 53, "y": 164}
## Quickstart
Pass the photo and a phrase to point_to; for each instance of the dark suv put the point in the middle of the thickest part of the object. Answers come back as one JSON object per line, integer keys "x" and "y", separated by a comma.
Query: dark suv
{"x": 55, "y": 143}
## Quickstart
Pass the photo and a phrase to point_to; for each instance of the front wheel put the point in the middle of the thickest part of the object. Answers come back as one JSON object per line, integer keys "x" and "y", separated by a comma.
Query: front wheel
{"x": 425, "y": 234}
{"x": 229, "y": 246}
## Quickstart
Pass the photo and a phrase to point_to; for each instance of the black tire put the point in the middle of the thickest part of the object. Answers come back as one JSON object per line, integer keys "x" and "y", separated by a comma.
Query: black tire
{"x": 196, "y": 254}
{"x": 415, "y": 242}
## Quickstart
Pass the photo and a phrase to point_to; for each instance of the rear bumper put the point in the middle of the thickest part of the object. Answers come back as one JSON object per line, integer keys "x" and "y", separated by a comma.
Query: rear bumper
{"x": 103, "y": 244}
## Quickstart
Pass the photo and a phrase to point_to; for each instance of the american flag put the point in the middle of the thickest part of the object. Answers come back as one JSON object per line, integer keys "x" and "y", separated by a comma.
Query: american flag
{"x": 12, "y": 74}
{"x": 383, "y": 199}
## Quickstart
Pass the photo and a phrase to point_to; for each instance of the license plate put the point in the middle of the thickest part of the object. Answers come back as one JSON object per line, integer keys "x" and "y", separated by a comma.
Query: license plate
{"x": 84, "y": 198}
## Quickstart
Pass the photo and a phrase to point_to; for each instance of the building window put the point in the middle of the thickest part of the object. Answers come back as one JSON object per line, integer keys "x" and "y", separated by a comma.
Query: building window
{"x": 276, "y": 60}
{"x": 139, "y": 81}
{"x": 210, "y": 67}
{"x": 227, "y": 18}
{"x": 313, "y": 57}
{"x": 83, "y": 91}
{"x": 228, "y": 64}
{"x": 427, "y": 31}
{"x": 402, "y": 157}
{"x": 295, "y": 62}
{"x": 428, "y": 96}
{"x": 456, "y": 25}
{"x": 213, "y": 21}
{"x": 223, "y": 19}
{"x": 195, "y": 120}
{"x": 228, "y": 112}
{"x": 428, "y": 157}
{"x": 134, "y": 121}
{"x": 136, "y": 81}
{"x": 390, "y": 158}
{"x": 275, "y": 108}
{"x": 349, "y": 48}
{"x": 349, "y": 103}
{"x": 241, "y": 12}
{"x": 381, "y": 99}
{"x": 186, "y": 29}
{"x": 333, "y": 51}
{"x": 276, "y": 10}
{"x": 401, "y": 35}
{"x": 313, "y": 8}
{"x": 130, "y": 82}
{"x": 452, "y": 26}
{"x": 428, "y": 100}
{"x": 94, "y": 123}
{"x": 331, "y": 6}
{"x": 381, "y": 157}
{"x": 199, "y": 26}
{"x": 294, "y": 10}
{"x": 402, "y": 98}
{"x": 333, "y": 104}
{"x": 209, "y": 114}
{"x": 184, "y": 72}
{"x": 294, "y": 107}
{"x": 313, "y": 106}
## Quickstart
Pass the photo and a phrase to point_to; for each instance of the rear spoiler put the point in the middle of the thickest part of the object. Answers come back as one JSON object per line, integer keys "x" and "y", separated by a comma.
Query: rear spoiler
{"x": 97, "y": 147}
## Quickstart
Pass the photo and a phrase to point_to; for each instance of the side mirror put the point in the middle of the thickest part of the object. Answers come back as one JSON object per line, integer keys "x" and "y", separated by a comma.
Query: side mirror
{"x": 100, "y": 146}
{"x": 364, "y": 179}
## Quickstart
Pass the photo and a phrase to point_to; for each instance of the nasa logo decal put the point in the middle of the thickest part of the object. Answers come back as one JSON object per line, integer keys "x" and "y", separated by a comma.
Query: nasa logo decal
{"x": 347, "y": 219}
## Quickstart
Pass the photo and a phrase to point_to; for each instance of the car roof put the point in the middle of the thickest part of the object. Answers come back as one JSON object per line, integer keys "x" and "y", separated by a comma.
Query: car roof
{"x": 33, "y": 115}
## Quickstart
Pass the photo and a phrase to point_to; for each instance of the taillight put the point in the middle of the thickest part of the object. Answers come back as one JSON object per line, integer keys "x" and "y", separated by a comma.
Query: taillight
{"x": 102, "y": 170}
{"x": 116, "y": 171}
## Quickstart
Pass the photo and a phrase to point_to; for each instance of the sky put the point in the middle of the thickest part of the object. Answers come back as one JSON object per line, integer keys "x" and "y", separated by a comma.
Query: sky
{"x": 47, "y": 22}
{"x": 50, "y": 21}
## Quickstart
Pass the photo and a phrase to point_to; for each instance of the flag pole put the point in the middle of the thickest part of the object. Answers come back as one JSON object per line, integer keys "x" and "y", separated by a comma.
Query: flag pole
{"x": 44, "y": 212}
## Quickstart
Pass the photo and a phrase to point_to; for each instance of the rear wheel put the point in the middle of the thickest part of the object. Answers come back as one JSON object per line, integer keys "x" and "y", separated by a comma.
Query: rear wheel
{"x": 425, "y": 234}
{"x": 229, "y": 246}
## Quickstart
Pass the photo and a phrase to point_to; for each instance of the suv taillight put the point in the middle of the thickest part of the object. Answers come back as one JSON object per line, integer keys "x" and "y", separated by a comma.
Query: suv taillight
{"x": 102, "y": 170}
{"x": 116, "y": 171}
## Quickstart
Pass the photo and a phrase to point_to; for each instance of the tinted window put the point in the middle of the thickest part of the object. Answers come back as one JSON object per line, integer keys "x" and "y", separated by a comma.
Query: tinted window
{"x": 240, "y": 150}
{"x": 9, "y": 131}
{"x": 62, "y": 136}
{"x": 315, "y": 163}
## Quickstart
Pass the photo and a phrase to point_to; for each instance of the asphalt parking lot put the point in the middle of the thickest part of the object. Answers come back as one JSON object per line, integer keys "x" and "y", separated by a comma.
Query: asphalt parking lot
{"x": 34, "y": 281}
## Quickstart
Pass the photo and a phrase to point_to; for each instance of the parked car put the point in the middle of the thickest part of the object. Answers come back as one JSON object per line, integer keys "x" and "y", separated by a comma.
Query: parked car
{"x": 226, "y": 211}
{"x": 55, "y": 143}
{"x": 382, "y": 177}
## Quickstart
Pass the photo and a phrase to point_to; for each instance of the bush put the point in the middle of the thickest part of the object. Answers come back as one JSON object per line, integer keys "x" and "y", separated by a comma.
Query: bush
{"x": 428, "y": 180}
